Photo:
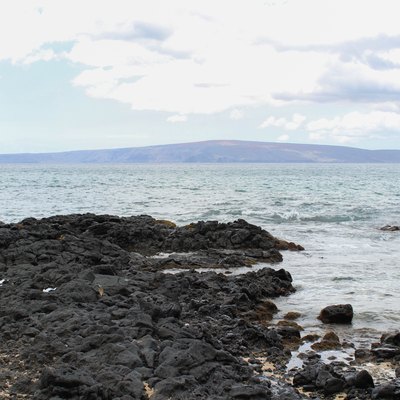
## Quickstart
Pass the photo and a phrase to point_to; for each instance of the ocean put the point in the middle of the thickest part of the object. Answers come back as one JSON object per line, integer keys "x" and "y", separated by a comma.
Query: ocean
{"x": 333, "y": 210}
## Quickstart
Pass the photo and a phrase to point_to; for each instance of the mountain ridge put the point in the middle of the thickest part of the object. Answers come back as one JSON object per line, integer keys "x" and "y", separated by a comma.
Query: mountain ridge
{"x": 214, "y": 151}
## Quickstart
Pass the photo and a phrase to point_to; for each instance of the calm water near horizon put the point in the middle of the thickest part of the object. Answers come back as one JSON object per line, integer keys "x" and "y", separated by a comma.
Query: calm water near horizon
{"x": 333, "y": 210}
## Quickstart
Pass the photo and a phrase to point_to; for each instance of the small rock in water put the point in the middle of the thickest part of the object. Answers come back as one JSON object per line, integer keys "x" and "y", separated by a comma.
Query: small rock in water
{"x": 290, "y": 323}
{"x": 388, "y": 347}
{"x": 329, "y": 342}
{"x": 391, "y": 338}
{"x": 309, "y": 355}
{"x": 284, "y": 245}
{"x": 390, "y": 228}
{"x": 386, "y": 352}
{"x": 337, "y": 314}
{"x": 311, "y": 337}
{"x": 291, "y": 315}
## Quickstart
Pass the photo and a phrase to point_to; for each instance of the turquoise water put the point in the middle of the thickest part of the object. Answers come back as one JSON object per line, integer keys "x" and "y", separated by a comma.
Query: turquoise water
{"x": 334, "y": 211}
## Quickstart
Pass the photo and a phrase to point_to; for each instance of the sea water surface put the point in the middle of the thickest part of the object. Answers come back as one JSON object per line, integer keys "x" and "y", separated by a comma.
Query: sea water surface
{"x": 333, "y": 210}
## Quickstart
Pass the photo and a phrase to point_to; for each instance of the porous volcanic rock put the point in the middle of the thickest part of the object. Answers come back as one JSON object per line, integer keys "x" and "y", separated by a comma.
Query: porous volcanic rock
{"x": 388, "y": 347}
{"x": 87, "y": 313}
{"x": 330, "y": 341}
{"x": 328, "y": 379}
{"x": 337, "y": 314}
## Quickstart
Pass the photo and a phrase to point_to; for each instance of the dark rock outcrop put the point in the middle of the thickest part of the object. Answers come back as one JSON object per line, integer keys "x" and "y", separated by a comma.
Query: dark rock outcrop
{"x": 87, "y": 313}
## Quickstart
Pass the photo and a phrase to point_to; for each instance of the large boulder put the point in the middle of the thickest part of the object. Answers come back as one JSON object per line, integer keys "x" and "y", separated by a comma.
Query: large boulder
{"x": 337, "y": 314}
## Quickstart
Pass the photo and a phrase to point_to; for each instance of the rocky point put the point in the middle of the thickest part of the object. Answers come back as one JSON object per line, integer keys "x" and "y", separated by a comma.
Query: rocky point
{"x": 86, "y": 311}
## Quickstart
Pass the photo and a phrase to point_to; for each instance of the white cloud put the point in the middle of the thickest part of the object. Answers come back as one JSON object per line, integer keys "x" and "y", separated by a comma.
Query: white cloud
{"x": 273, "y": 121}
{"x": 177, "y": 118}
{"x": 290, "y": 125}
{"x": 353, "y": 126}
{"x": 41, "y": 55}
{"x": 392, "y": 55}
{"x": 236, "y": 114}
{"x": 351, "y": 82}
{"x": 386, "y": 106}
{"x": 283, "y": 138}
{"x": 207, "y": 57}
{"x": 105, "y": 53}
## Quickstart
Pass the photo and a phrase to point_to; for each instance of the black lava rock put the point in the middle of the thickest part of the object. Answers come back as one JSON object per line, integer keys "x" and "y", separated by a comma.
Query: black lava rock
{"x": 337, "y": 314}
{"x": 87, "y": 313}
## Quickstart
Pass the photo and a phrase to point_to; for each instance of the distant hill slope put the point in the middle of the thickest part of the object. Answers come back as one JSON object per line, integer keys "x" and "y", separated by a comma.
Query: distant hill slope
{"x": 215, "y": 151}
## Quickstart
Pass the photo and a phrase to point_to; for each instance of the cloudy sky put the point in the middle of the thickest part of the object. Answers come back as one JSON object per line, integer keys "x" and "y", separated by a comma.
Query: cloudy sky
{"x": 99, "y": 73}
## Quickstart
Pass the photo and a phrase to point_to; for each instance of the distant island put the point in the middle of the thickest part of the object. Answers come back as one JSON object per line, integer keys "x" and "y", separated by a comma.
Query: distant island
{"x": 214, "y": 151}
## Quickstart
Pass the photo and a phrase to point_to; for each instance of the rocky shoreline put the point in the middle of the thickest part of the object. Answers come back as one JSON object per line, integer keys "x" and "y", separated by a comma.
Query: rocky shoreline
{"x": 87, "y": 312}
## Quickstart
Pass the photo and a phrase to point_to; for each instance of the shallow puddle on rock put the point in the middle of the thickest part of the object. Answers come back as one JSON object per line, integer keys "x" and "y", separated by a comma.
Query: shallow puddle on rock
{"x": 296, "y": 361}
{"x": 346, "y": 355}
{"x": 225, "y": 271}
{"x": 166, "y": 255}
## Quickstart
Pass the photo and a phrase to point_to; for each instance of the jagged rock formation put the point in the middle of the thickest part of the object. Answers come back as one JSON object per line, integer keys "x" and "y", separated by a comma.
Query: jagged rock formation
{"x": 87, "y": 313}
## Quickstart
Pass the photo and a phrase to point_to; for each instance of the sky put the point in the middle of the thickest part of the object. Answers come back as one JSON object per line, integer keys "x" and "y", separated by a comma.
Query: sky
{"x": 93, "y": 74}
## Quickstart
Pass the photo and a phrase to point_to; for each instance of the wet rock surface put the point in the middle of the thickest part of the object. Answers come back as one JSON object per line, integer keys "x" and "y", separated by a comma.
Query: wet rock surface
{"x": 327, "y": 380}
{"x": 330, "y": 341}
{"x": 388, "y": 348}
{"x": 372, "y": 374}
{"x": 87, "y": 313}
{"x": 337, "y": 314}
{"x": 390, "y": 228}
